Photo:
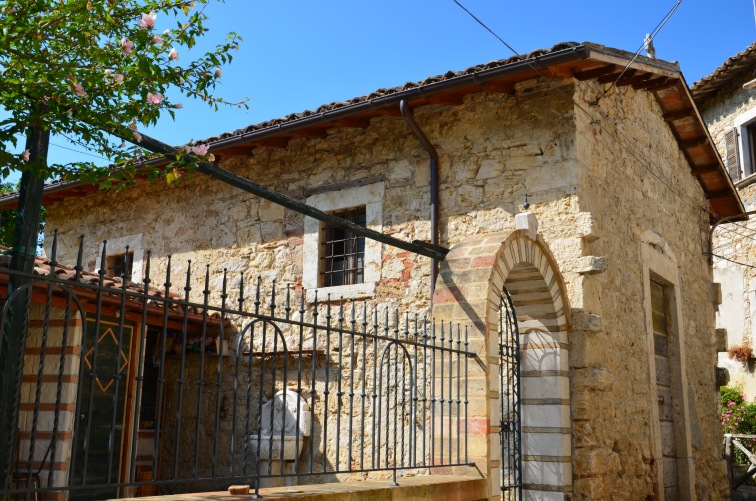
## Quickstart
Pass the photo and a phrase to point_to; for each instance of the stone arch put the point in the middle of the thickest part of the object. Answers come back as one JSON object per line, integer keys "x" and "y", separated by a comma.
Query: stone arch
{"x": 531, "y": 276}
{"x": 468, "y": 291}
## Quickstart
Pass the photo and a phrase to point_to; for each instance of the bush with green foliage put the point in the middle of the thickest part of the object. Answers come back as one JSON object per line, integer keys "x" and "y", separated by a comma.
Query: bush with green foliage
{"x": 729, "y": 394}
{"x": 738, "y": 417}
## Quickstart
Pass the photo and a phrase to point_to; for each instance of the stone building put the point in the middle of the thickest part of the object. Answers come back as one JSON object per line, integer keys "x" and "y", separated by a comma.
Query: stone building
{"x": 727, "y": 100}
{"x": 578, "y": 177}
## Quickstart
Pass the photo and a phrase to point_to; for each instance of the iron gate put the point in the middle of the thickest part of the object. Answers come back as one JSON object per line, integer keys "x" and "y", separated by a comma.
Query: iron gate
{"x": 510, "y": 431}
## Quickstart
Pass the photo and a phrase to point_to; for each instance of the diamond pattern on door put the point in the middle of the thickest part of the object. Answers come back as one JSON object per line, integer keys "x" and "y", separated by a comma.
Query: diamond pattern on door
{"x": 108, "y": 356}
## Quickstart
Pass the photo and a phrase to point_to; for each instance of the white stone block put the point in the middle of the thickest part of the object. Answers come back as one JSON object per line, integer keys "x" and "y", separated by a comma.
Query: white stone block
{"x": 545, "y": 444}
{"x": 590, "y": 264}
{"x": 531, "y": 495}
{"x": 731, "y": 312}
{"x": 527, "y": 221}
{"x": 586, "y": 227}
{"x": 546, "y": 473}
{"x": 545, "y": 387}
{"x": 545, "y": 416}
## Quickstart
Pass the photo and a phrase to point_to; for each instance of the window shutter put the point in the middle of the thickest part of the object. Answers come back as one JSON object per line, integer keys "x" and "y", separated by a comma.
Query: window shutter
{"x": 731, "y": 151}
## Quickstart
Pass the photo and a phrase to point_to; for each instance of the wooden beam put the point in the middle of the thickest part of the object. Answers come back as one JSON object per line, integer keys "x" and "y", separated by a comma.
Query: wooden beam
{"x": 634, "y": 80}
{"x": 417, "y": 246}
{"x": 594, "y": 73}
{"x": 390, "y": 111}
{"x": 558, "y": 72}
{"x": 705, "y": 169}
{"x": 275, "y": 142}
{"x": 309, "y": 133}
{"x": 719, "y": 194}
{"x": 671, "y": 116}
{"x": 613, "y": 77}
{"x": 447, "y": 99}
{"x": 693, "y": 142}
{"x": 353, "y": 123}
{"x": 663, "y": 85}
{"x": 650, "y": 83}
{"x": 500, "y": 86}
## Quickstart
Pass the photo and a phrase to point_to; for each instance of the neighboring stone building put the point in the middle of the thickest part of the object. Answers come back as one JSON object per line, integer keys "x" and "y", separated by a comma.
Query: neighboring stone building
{"x": 613, "y": 292}
{"x": 727, "y": 100}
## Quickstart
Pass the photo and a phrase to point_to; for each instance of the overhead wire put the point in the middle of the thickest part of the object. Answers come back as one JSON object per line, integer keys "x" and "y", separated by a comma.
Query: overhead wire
{"x": 718, "y": 256}
{"x": 726, "y": 243}
{"x": 652, "y": 35}
{"x": 487, "y": 28}
{"x": 77, "y": 151}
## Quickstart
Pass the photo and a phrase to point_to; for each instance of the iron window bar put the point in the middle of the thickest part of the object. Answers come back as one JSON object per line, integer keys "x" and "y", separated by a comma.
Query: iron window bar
{"x": 344, "y": 251}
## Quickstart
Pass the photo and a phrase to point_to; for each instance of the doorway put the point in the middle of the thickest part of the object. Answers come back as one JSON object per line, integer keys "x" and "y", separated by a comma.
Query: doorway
{"x": 104, "y": 392}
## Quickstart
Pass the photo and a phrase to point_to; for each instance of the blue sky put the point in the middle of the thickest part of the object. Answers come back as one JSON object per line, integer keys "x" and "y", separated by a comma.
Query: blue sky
{"x": 299, "y": 54}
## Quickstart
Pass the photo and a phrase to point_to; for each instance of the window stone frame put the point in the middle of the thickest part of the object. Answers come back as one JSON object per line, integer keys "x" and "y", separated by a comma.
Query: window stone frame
{"x": 117, "y": 246}
{"x": 742, "y": 122}
{"x": 371, "y": 197}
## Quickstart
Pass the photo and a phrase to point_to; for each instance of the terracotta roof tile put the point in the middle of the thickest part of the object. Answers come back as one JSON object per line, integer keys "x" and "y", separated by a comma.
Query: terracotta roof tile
{"x": 42, "y": 267}
{"x": 734, "y": 67}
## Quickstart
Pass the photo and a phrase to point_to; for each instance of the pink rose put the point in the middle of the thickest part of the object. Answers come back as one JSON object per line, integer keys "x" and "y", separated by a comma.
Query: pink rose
{"x": 154, "y": 99}
{"x": 127, "y": 46}
{"x": 200, "y": 150}
{"x": 148, "y": 20}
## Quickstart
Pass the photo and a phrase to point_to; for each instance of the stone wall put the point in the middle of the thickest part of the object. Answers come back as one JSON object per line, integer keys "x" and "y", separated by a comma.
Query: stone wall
{"x": 735, "y": 242}
{"x": 648, "y": 217}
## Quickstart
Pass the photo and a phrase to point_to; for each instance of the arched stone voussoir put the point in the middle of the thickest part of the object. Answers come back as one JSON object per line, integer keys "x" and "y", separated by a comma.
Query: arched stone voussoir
{"x": 468, "y": 291}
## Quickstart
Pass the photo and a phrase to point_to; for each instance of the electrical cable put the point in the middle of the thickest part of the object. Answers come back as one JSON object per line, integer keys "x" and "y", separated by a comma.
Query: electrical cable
{"x": 732, "y": 261}
{"x": 487, "y": 28}
{"x": 652, "y": 35}
{"x": 77, "y": 151}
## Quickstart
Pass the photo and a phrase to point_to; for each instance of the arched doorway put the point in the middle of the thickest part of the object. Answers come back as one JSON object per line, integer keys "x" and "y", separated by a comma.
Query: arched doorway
{"x": 527, "y": 271}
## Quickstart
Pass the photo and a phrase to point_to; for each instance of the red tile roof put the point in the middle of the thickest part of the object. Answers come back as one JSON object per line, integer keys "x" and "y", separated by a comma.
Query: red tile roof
{"x": 740, "y": 65}
{"x": 43, "y": 266}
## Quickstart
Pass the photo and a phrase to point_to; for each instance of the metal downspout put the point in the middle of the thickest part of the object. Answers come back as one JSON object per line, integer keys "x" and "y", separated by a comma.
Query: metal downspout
{"x": 407, "y": 114}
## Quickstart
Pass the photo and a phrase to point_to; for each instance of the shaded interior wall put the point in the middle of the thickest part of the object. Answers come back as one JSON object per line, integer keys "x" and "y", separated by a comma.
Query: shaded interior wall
{"x": 634, "y": 179}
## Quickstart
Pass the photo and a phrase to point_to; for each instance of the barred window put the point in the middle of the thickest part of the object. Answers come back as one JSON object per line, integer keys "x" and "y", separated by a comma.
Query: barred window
{"x": 343, "y": 252}
{"x": 118, "y": 265}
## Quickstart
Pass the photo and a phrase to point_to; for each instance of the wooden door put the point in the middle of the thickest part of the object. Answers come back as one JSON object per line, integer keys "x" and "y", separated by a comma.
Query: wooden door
{"x": 101, "y": 409}
{"x": 670, "y": 482}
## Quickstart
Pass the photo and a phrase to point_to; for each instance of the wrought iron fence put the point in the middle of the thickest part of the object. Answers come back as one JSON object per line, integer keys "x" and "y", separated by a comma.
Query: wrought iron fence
{"x": 129, "y": 389}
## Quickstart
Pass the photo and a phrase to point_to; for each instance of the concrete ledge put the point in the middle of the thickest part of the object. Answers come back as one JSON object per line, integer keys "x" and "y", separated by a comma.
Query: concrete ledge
{"x": 430, "y": 488}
